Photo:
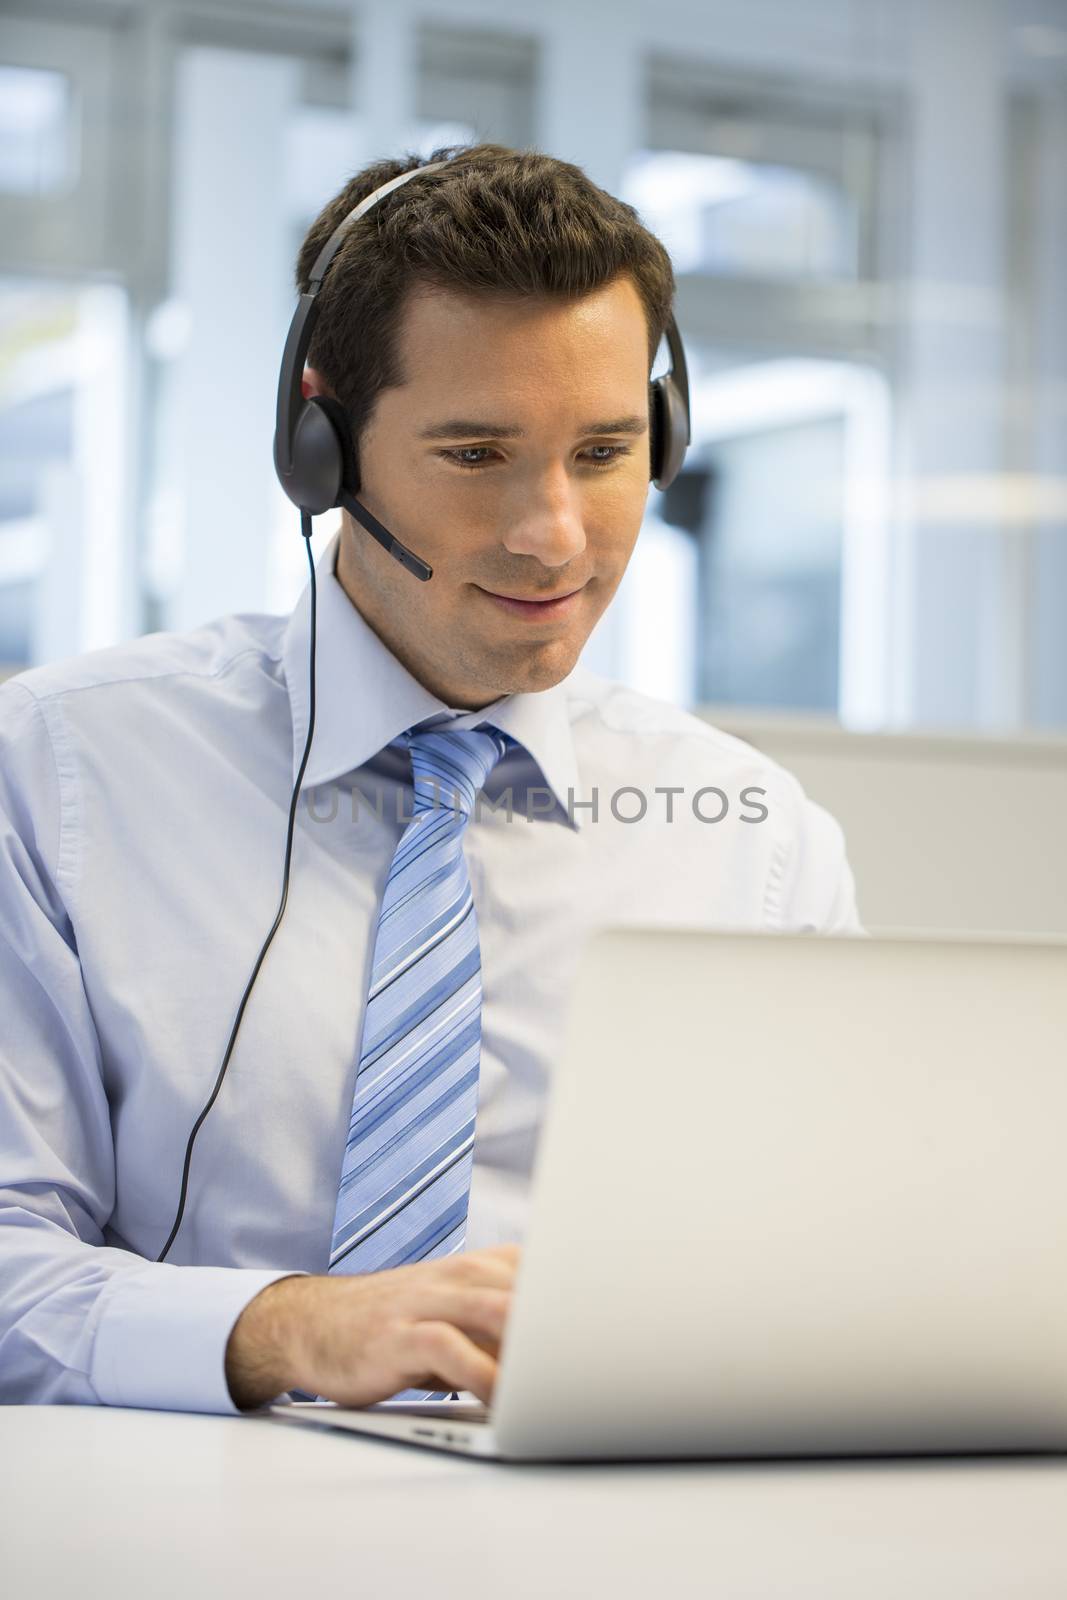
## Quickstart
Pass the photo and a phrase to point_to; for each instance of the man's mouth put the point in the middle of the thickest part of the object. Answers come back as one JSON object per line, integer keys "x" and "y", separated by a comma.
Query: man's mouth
{"x": 533, "y": 609}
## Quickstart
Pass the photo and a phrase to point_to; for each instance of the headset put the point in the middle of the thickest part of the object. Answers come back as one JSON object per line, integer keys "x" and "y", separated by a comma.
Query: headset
{"x": 315, "y": 460}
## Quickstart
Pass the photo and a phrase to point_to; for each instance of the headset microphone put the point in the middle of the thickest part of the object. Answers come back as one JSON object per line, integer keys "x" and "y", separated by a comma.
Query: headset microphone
{"x": 316, "y": 465}
{"x": 377, "y": 530}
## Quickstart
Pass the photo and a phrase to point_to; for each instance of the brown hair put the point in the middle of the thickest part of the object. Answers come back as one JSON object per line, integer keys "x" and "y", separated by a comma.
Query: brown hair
{"x": 495, "y": 221}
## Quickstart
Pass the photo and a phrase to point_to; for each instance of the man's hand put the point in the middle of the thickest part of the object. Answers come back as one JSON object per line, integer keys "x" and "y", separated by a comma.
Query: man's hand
{"x": 361, "y": 1338}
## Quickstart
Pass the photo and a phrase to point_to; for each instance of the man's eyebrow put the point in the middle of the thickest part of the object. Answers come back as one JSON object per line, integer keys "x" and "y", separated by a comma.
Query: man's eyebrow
{"x": 465, "y": 428}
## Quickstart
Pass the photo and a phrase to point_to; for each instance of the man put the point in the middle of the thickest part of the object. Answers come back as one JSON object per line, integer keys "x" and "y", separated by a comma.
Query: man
{"x": 490, "y": 338}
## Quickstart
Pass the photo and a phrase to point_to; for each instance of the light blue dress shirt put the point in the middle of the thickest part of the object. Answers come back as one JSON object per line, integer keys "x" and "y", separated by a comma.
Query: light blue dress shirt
{"x": 143, "y": 799}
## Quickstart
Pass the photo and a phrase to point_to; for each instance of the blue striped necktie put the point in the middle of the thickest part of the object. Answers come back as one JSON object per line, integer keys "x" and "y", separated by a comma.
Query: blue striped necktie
{"x": 405, "y": 1178}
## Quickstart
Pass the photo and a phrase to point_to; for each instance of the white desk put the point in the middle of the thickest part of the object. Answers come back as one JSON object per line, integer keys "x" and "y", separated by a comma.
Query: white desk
{"x": 110, "y": 1503}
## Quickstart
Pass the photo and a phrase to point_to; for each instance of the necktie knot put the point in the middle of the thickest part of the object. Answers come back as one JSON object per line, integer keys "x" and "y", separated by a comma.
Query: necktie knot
{"x": 450, "y": 766}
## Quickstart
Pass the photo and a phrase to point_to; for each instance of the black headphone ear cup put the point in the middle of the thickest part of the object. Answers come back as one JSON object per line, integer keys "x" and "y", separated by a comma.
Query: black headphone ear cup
{"x": 669, "y": 420}
{"x": 343, "y": 428}
{"x": 318, "y": 459}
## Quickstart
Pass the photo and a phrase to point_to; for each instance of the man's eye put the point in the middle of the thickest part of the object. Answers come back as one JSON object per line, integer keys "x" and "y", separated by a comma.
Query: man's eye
{"x": 470, "y": 450}
{"x": 617, "y": 450}
{"x": 460, "y": 456}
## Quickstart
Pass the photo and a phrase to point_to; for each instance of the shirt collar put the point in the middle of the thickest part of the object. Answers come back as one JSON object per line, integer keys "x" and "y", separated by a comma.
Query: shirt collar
{"x": 365, "y": 697}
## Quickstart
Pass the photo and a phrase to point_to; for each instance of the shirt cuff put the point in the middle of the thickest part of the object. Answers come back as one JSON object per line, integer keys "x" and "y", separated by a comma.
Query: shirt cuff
{"x": 161, "y": 1339}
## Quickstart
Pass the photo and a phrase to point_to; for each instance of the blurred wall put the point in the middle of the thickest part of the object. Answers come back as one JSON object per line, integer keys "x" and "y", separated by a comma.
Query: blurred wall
{"x": 948, "y": 834}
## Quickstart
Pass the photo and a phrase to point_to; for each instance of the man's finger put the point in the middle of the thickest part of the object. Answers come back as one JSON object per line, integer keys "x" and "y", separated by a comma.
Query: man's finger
{"x": 478, "y": 1270}
{"x": 480, "y": 1312}
{"x": 437, "y": 1351}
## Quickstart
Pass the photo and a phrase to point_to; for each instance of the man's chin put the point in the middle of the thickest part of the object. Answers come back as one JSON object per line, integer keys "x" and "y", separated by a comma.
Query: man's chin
{"x": 536, "y": 666}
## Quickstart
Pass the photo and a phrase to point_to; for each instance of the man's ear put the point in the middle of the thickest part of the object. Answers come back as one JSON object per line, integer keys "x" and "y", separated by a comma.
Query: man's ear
{"x": 314, "y": 383}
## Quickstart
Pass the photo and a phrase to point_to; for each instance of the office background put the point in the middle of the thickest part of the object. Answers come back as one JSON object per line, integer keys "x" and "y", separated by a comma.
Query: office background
{"x": 866, "y": 204}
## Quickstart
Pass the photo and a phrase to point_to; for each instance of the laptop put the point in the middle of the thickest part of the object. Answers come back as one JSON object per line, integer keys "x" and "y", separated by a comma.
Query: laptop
{"x": 794, "y": 1195}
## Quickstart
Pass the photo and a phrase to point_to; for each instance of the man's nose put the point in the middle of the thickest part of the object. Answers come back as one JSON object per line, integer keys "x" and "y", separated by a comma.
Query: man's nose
{"x": 546, "y": 522}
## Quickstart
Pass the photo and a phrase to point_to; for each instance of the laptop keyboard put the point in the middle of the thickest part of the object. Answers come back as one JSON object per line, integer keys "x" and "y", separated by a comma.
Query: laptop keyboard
{"x": 443, "y": 1410}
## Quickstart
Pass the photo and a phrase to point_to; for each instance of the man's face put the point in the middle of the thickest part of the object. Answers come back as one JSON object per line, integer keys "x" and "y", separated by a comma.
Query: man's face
{"x": 513, "y": 459}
